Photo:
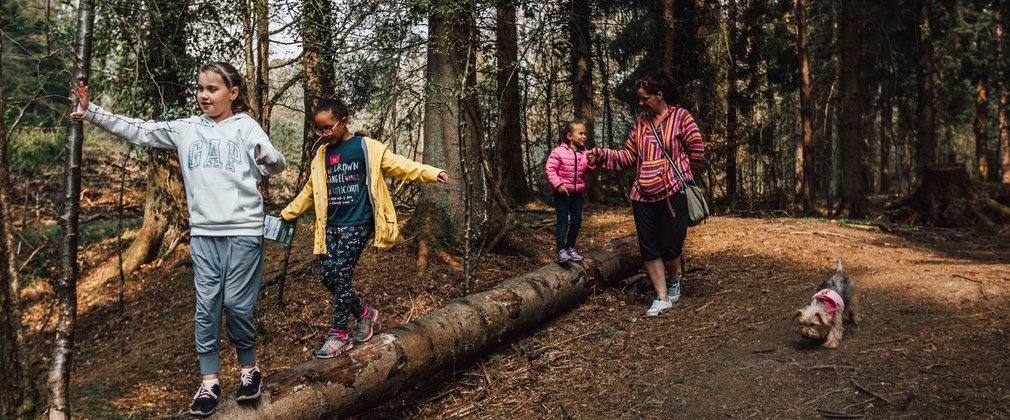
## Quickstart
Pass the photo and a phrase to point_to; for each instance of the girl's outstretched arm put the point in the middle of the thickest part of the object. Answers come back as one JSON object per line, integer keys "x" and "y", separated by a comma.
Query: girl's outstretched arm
{"x": 408, "y": 170}
{"x": 144, "y": 133}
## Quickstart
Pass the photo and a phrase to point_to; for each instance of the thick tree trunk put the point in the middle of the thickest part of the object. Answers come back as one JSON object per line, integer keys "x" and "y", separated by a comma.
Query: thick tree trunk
{"x": 510, "y": 145}
{"x": 981, "y": 128}
{"x": 668, "y": 36}
{"x": 66, "y": 285}
{"x": 317, "y": 63}
{"x": 464, "y": 208}
{"x": 805, "y": 162}
{"x": 13, "y": 379}
{"x": 580, "y": 34}
{"x": 853, "y": 185}
{"x": 415, "y": 352}
{"x": 925, "y": 113}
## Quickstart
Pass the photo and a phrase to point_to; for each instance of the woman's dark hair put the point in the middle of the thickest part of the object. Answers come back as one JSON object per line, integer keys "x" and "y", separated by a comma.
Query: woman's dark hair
{"x": 232, "y": 78}
{"x": 660, "y": 82}
{"x": 334, "y": 106}
{"x": 570, "y": 128}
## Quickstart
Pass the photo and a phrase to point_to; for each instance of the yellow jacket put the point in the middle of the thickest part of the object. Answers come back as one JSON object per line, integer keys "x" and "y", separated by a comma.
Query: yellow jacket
{"x": 379, "y": 160}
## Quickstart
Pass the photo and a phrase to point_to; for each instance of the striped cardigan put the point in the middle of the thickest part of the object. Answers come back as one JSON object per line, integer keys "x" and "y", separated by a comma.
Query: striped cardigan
{"x": 681, "y": 139}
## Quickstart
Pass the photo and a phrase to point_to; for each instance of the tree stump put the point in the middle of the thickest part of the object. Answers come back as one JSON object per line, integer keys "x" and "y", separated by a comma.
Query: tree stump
{"x": 947, "y": 198}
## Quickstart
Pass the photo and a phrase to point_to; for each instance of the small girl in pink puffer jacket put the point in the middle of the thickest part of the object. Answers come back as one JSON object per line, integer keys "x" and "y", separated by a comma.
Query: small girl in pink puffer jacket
{"x": 566, "y": 166}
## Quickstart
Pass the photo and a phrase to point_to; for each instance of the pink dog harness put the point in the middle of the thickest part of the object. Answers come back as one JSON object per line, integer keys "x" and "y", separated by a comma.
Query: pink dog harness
{"x": 832, "y": 300}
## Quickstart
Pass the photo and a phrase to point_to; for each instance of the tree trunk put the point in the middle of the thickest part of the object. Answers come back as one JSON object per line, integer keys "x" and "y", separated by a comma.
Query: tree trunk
{"x": 886, "y": 138}
{"x": 668, "y": 36}
{"x": 925, "y": 114}
{"x": 805, "y": 162}
{"x": 66, "y": 286}
{"x": 580, "y": 32}
{"x": 981, "y": 128}
{"x": 1004, "y": 97}
{"x": 317, "y": 63}
{"x": 510, "y": 143}
{"x": 732, "y": 121}
{"x": 450, "y": 130}
{"x": 261, "y": 80}
{"x": 14, "y": 382}
{"x": 854, "y": 186}
{"x": 317, "y": 84}
{"x": 415, "y": 352}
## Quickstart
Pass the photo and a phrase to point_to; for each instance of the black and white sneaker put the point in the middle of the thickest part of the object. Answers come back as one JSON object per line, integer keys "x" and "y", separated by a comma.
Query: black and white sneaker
{"x": 205, "y": 400}
{"x": 251, "y": 382}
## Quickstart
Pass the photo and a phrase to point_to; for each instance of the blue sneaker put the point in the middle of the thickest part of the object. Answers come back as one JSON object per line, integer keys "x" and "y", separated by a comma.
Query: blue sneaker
{"x": 336, "y": 343}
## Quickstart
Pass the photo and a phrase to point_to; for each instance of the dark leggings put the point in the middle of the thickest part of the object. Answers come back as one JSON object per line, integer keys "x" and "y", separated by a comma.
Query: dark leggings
{"x": 343, "y": 248}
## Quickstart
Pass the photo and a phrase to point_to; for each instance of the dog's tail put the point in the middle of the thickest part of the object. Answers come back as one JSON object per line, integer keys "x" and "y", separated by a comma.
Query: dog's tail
{"x": 838, "y": 268}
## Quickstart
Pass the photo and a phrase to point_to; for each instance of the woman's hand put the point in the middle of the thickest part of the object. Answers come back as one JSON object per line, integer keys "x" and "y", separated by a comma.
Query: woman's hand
{"x": 80, "y": 90}
{"x": 443, "y": 177}
{"x": 563, "y": 190}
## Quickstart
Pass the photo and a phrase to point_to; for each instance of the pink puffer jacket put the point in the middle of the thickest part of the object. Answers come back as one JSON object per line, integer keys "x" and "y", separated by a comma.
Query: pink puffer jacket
{"x": 567, "y": 167}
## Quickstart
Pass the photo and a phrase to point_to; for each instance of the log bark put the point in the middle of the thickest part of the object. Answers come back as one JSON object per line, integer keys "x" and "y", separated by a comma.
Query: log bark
{"x": 393, "y": 361}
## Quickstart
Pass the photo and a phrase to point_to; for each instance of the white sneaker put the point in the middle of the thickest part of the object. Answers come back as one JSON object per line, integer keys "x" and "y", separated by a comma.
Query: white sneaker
{"x": 673, "y": 290}
{"x": 658, "y": 306}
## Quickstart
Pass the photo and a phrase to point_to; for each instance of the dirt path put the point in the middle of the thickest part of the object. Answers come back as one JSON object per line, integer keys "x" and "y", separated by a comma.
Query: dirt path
{"x": 931, "y": 344}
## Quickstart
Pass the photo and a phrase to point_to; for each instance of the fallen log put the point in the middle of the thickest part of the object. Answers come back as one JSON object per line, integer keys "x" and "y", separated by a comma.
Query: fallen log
{"x": 375, "y": 371}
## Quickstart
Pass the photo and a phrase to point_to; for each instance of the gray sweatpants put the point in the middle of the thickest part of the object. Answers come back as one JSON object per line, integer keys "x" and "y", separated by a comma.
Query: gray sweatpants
{"x": 227, "y": 273}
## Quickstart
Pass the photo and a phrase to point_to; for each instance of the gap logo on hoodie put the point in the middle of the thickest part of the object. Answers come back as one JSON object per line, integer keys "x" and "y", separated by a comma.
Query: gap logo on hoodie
{"x": 215, "y": 157}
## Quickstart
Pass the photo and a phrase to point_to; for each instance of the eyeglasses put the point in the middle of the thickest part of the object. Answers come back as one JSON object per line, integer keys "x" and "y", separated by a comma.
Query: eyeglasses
{"x": 326, "y": 130}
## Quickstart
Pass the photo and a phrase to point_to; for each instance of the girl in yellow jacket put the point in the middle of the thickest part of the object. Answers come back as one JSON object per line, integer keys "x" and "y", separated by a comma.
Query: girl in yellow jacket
{"x": 348, "y": 192}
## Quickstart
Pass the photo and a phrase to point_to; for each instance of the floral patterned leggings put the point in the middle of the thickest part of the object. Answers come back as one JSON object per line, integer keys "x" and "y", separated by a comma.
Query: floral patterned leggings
{"x": 344, "y": 245}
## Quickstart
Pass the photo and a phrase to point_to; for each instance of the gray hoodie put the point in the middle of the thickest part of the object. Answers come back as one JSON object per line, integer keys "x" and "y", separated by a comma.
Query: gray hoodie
{"x": 218, "y": 163}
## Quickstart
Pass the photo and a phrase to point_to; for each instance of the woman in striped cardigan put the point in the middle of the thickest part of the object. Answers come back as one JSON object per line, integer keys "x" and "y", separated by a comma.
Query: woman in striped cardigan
{"x": 664, "y": 135}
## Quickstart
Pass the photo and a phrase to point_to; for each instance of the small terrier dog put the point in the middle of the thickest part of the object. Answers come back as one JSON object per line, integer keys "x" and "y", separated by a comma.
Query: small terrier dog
{"x": 834, "y": 302}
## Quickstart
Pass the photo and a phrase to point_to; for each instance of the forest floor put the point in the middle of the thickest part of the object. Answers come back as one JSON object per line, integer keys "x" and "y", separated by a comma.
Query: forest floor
{"x": 933, "y": 341}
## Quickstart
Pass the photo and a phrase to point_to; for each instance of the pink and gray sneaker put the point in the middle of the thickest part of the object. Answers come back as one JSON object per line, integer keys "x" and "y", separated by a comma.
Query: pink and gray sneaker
{"x": 564, "y": 256}
{"x": 574, "y": 255}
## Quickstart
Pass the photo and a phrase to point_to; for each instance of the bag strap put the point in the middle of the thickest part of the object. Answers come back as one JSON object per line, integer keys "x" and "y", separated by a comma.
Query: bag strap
{"x": 663, "y": 149}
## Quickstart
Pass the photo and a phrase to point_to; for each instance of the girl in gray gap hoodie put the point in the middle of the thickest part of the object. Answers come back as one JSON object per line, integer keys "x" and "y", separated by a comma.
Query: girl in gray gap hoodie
{"x": 223, "y": 154}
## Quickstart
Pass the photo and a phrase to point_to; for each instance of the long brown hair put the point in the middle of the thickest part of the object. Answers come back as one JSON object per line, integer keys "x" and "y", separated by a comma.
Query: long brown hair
{"x": 232, "y": 78}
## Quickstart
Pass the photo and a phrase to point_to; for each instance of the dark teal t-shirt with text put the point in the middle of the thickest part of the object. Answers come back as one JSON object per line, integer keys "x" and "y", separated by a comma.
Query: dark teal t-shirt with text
{"x": 348, "y": 201}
